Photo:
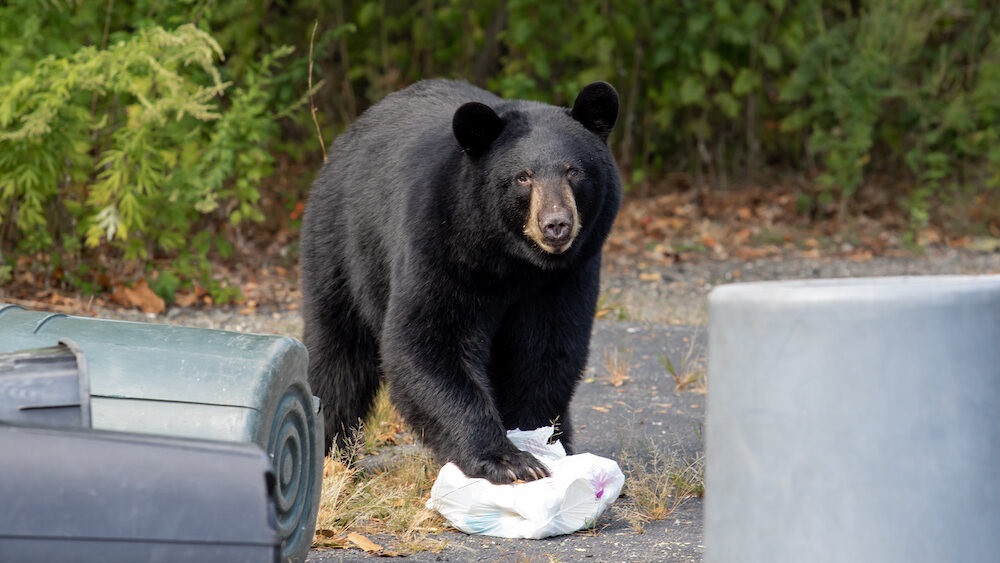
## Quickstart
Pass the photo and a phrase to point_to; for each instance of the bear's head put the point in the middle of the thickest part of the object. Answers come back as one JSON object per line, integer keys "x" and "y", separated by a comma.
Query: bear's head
{"x": 547, "y": 172}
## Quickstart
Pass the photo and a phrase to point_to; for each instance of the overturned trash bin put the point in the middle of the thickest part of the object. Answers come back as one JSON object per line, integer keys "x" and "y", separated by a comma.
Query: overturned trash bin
{"x": 94, "y": 497}
{"x": 198, "y": 383}
{"x": 854, "y": 420}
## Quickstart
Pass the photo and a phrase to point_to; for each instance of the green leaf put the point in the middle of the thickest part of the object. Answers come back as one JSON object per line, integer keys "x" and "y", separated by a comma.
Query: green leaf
{"x": 710, "y": 63}
{"x": 727, "y": 103}
{"x": 746, "y": 81}
{"x": 368, "y": 13}
{"x": 165, "y": 285}
{"x": 341, "y": 30}
{"x": 692, "y": 91}
{"x": 698, "y": 22}
{"x": 771, "y": 55}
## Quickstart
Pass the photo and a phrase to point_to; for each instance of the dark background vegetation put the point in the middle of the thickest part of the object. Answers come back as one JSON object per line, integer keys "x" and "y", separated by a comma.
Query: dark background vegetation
{"x": 156, "y": 139}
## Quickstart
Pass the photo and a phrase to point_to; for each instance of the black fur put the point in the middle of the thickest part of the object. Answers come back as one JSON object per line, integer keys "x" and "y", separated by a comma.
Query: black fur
{"x": 416, "y": 268}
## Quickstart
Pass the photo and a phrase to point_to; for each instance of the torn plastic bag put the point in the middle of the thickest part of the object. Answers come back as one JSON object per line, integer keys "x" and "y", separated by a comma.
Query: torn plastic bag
{"x": 579, "y": 489}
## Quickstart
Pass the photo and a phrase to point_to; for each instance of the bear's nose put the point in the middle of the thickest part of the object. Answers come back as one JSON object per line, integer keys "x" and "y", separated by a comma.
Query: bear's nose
{"x": 557, "y": 226}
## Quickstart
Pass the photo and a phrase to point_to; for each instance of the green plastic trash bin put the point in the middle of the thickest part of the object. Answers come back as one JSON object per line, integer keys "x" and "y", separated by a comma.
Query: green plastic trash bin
{"x": 198, "y": 383}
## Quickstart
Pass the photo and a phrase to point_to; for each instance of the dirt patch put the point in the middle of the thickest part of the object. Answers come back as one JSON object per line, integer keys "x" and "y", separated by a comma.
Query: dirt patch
{"x": 677, "y": 293}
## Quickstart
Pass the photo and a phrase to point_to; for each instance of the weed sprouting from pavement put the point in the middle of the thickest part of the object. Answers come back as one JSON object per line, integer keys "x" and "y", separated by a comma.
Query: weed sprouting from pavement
{"x": 689, "y": 373}
{"x": 618, "y": 363}
{"x": 656, "y": 483}
{"x": 610, "y": 306}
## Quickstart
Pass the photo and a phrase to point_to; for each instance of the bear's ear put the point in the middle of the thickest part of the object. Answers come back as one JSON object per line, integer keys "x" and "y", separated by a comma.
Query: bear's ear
{"x": 476, "y": 126}
{"x": 596, "y": 107}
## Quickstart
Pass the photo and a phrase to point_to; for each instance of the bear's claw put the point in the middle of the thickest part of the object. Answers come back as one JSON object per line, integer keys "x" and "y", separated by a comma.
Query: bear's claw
{"x": 505, "y": 468}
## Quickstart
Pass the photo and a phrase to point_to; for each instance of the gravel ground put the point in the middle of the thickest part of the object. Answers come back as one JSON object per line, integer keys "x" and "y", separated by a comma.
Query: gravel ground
{"x": 665, "y": 294}
{"x": 677, "y": 294}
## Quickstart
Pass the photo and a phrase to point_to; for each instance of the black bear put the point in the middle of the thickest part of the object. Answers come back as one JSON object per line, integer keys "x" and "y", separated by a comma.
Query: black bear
{"x": 452, "y": 245}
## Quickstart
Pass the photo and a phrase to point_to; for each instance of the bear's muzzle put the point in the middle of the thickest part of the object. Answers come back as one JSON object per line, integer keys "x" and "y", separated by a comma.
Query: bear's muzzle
{"x": 553, "y": 221}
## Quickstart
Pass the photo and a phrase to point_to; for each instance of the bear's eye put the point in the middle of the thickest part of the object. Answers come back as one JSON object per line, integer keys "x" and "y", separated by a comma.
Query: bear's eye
{"x": 523, "y": 178}
{"x": 573, "y": 173}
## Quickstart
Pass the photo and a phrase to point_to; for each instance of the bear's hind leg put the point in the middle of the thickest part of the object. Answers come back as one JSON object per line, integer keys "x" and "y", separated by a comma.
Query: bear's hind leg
{"x": 343, "y": 368}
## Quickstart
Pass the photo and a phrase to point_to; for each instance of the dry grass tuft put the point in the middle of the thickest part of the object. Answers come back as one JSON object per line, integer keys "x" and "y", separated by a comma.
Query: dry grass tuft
{"x": 656, "y": 484}
{"x": 357, "y": 503}
{"x": 388, "y": 502}
{"x": 618, "y": 363}
{"x": 689, "y": 373}
{"x": 384, "y": 426}
{"x": 610, "y": 306}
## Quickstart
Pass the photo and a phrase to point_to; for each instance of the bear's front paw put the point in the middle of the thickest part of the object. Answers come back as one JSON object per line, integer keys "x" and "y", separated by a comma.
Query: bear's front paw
{"x": 507, "y": 467}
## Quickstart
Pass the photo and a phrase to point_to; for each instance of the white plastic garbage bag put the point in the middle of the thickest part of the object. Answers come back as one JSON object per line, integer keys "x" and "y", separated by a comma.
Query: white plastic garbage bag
{"x": 579, "y": 489}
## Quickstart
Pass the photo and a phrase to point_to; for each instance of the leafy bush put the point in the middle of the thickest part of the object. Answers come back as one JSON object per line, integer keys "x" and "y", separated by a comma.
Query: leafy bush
{"x": 900, "y": 79}
{"x": 718, "y": 89}
{"x": 50, "y": 135}
{"x": 126, "y": 135}
{"x": 129, "y": 148}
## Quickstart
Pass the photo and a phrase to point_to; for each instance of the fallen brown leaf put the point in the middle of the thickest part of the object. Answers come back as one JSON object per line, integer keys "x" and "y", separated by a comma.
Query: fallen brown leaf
{"x": 754, "y": 253}
{"x": 185, "y": 299}
{"x": 329, "y": 538}
{"x": 860, "y": 256}
{"x": 139, "y": 296}
{"x": 363, "y": 542}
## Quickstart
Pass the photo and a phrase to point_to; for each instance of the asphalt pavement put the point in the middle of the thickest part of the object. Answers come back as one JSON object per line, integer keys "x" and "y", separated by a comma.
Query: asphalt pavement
{"x": 645, "y": 413}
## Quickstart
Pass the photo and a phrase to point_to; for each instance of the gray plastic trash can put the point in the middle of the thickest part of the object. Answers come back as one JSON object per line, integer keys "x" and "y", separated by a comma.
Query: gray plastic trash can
{"x": 198, "y": 383}
{"x": 854, "y": 420}
{"x": 91, "y": 496}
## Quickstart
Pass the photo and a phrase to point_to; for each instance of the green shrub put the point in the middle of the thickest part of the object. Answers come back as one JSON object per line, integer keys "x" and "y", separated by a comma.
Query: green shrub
{"x": 125, "y": 135}
{"x": 899, "y": 86}
{"x": 130, "y": 149}
{"x": 109, "y": 170}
